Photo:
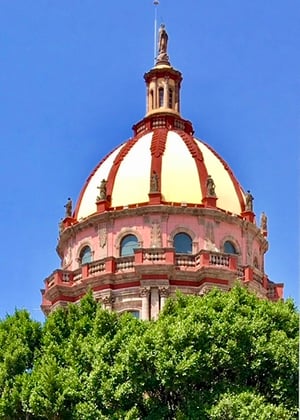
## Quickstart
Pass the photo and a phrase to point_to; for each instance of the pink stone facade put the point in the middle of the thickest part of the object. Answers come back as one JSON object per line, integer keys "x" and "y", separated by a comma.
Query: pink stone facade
{"x": 141, "y": 282}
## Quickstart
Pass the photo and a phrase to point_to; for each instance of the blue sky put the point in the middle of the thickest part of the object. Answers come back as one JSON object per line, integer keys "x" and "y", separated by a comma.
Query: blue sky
{"x": 71, "y": 87}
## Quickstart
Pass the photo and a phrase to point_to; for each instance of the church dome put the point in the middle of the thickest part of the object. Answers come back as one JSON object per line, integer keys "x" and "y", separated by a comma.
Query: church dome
{"x": 172, "y": 158}
{"x": 162, "y": 212}
{"x": 163, "y": 163}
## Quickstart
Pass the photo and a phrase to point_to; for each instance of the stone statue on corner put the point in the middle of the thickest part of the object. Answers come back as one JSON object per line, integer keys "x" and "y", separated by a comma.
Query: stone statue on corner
{"x": 102, "y": 190}
{"x": 249, "y": 201}
{"x": 68, "y": 206}
{"x": 210, "y": 187}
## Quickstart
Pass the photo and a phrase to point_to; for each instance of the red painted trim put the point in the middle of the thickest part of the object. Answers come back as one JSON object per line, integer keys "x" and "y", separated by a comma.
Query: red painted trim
{"x": 78, "y": 203}
{"x": 238, "y": 188}
{"x": 158, "y": 145}
{"x": 72, "y": 299}
{"x": 197, "y": 283}
{"x": 198, "y": 158}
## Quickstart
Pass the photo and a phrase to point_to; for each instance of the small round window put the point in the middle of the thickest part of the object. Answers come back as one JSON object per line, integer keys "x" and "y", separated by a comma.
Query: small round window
{"x": 128, "y": 245}
{"x": 183, "y": 243}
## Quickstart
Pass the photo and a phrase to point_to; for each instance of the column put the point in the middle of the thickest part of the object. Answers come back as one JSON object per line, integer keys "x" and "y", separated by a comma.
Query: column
{"x": 154, "y": 303}
{"x": 166, "y": 93}
{"x": 107, "y": 302}
{"x": 164, "y": 293}
{"x": 155, "y": 95}
{"x": 145, "y": 292}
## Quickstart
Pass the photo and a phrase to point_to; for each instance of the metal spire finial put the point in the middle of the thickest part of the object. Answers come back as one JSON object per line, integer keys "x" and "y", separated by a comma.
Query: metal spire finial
{"x": 156, "y": 3}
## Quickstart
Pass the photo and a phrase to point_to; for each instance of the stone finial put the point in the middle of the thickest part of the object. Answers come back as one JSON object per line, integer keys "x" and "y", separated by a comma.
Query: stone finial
{"x": 210, "y": 187}
{"x": 249, "y": 201}
{"x": 263, "y": 222}
{"x": 102, "y": 190}
{"x": 68, "y": 206}
{"x": 162, "y": 57}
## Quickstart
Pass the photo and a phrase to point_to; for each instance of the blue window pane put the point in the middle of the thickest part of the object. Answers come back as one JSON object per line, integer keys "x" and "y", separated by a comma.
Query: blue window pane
{"x": 183, "y": 243}
{"x": 86, "y": 255}
{"x": 128, "y": 244}
{"x": 229, "y": 248}
{"x": 135, "y": 314}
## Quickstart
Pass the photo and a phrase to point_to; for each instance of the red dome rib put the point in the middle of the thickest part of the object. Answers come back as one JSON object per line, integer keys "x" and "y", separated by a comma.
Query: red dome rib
{"x": 198, "y": 157}
{"x": 116, "y": 164}
{"x": 158, "y": 146}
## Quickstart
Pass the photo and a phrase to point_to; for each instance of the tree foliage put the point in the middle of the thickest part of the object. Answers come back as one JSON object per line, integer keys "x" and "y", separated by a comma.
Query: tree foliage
{"x": 222, "y": 356}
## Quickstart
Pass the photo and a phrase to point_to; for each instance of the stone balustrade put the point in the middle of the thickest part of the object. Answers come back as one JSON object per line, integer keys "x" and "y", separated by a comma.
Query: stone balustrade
{"x": 150, "y": 256}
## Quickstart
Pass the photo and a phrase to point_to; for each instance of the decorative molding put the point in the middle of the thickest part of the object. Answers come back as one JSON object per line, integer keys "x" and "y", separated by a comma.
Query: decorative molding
{"x": 145, "y": 292}
{"x": 156, "y": 241}
{"x": 164, "y": 291}
{"x": 102, "y": 235}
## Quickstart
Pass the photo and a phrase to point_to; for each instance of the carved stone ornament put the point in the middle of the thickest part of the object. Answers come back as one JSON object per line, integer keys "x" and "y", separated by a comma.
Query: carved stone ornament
{"x": 210, "y": 187}
{"x": 67, "y": 261}
{"x": 107, "y": 300}
{"x": 164, "y": 291}
{"x": 205, "y": 289}
{"x": 102, "y": 234}
{"x": 249, "y": 250}
{"x": 154, "y": 184}
{"x": 155, "y": 235}
{"x": 145, "y": 291}
{"x": 210, "y": 238}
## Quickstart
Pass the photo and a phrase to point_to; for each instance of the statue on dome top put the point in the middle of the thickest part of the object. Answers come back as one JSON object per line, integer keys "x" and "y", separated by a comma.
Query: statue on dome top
{"x": 210, "y": 187}
{"x": 162, "y": 56}
{"x": 249, "y": 201}
{"x": 102, "y": 190}
{"x": 68, "y": 206}
{"x": 163, "y": 40}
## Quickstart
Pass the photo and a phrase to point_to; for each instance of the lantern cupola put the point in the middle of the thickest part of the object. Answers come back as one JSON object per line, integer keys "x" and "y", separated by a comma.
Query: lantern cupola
{"x": 163, "y": 81}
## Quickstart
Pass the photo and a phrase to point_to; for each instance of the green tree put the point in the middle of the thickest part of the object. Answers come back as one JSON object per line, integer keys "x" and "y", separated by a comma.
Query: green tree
{"x": 19, "y": 338}
{"x": 222, "y": 356}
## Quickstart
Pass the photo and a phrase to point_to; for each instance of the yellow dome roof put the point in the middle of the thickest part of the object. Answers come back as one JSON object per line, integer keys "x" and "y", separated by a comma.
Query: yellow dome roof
{"x": 182, "y": 164}
{"x": 163, "y": 163}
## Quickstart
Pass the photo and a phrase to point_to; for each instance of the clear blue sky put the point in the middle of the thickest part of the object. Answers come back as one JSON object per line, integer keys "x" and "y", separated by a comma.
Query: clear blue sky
{"x": 71, "y": 86}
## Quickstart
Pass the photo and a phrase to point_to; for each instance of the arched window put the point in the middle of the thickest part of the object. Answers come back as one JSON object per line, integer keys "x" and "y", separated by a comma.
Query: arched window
{"x": 229, "y": 248}
{"x": 135, "y": 314}
{"x": 85, "y": 255}
{"x": 183, "y": 243}
{"x": 151, "y": 99}
{"x": 161, "y": 97}
{"x": 170, "y": 98}
{"x": 128, "y": 244}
